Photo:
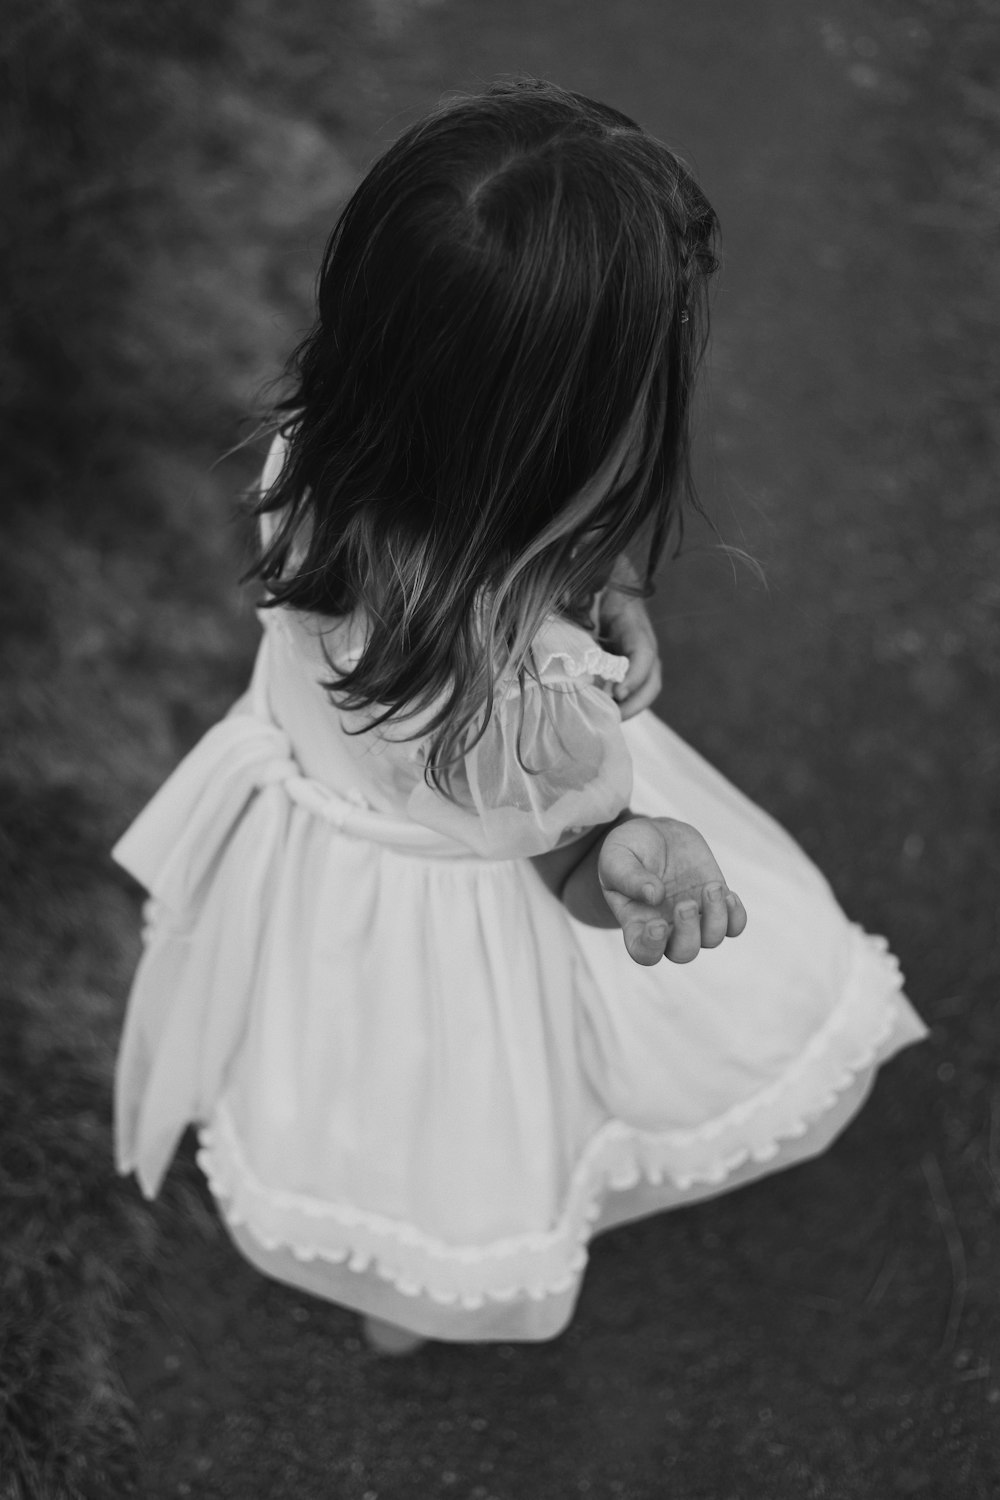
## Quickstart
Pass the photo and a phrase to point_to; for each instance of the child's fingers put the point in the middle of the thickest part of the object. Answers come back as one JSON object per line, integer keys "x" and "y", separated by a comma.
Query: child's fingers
{"x": 721, "y": 915}
{"x": 649, "y": 937}
{"x": 643, "y": 655}
{"x": 644, "y": 929}
{"x": 646, "y": 940}
{"x": 714, "y": 916}
{"x": 685, "y": 940}
{"x": 642, "y": 695}
{"x": 622, "y": 871}
{"x": 736, "y": 914}
{"x": 627, "y": 911}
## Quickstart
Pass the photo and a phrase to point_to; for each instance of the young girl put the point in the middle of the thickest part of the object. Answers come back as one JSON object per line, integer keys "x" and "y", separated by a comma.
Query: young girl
{"x": 383, "y": 969}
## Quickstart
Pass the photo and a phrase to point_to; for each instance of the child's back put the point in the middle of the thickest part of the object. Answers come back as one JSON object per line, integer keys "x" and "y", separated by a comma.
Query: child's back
{"x": 423, "y": 1081}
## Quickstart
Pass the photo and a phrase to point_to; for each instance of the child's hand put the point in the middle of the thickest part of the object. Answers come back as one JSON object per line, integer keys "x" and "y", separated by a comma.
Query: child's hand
{"x": 625, "y": 627}
{"x": 662, "y": 883}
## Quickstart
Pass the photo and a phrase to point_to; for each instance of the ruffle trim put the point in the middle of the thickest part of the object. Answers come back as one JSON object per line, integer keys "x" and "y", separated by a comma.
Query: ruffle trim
{"x": 618, "y": 1157}
{"x": 592, "y": 662}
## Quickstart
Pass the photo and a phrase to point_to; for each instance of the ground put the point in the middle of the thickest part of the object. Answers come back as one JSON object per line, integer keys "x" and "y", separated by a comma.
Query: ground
{"x": 832, "y": 1332}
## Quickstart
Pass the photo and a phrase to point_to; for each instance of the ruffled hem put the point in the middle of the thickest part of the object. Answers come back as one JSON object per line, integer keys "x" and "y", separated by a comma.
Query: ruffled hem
{"x": 872, "y": 1022}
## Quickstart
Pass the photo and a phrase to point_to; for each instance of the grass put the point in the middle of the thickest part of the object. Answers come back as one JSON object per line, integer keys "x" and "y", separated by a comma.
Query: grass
{"x": 175, "y": 169}
{"x": 143, "y": 318}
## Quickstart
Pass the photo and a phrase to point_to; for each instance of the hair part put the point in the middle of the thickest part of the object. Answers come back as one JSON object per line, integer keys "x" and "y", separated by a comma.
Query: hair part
{"x": 495, "y": 398}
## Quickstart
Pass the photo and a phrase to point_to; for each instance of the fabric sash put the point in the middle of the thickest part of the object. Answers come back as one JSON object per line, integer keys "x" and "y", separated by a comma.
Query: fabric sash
{"x": 230, "y": 798}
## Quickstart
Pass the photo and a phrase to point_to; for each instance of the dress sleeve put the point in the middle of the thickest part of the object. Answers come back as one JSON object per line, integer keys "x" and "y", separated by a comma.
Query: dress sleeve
{"x": 573, "y": 771}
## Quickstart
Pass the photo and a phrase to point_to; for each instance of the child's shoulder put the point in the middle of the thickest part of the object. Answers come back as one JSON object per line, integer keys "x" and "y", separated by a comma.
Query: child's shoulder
{"x": 564, "y": 653}
{"x": 564, "y": 657}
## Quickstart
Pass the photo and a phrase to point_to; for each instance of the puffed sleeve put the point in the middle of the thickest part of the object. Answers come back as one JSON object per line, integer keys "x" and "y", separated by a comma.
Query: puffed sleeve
{"x": 574, "y": 770}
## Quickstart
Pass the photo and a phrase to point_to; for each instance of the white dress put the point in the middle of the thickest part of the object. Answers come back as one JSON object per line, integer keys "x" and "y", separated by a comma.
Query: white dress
{"x": 421, "y": 1086}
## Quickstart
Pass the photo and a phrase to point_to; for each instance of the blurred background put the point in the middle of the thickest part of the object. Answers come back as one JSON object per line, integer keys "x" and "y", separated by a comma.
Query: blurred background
{"x": 169, "y": 175}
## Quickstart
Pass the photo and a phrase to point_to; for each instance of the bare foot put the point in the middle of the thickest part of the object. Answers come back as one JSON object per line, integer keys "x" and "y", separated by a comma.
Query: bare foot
{"x": 389, "y": 1338}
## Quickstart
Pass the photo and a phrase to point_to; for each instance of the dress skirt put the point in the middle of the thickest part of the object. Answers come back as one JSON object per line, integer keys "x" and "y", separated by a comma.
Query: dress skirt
{"x": 421, "y": 1086}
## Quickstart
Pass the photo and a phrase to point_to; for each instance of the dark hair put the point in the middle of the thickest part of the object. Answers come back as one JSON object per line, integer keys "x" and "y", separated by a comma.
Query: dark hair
{"x": 512, "y": 303}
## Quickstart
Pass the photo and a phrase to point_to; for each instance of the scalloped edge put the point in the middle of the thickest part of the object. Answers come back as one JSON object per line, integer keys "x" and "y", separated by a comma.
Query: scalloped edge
{"x": 618, "y": 1157}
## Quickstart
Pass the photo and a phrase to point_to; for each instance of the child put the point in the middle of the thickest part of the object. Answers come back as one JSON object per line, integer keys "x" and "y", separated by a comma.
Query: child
{"x": 381, "y": 968}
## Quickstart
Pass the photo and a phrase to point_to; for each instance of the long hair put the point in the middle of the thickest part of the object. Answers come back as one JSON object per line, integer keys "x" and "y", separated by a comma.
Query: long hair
{"x": 495, "y": 398}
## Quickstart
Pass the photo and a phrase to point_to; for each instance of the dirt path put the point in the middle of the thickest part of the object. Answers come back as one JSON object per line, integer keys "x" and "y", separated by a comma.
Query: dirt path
{"x": 831, "y": 1332}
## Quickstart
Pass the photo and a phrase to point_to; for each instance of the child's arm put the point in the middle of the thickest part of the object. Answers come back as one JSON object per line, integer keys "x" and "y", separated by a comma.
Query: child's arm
{"x": 626, "y": 629}
{"x": 586, "y": 903}
{"x": 655, "y": 878}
